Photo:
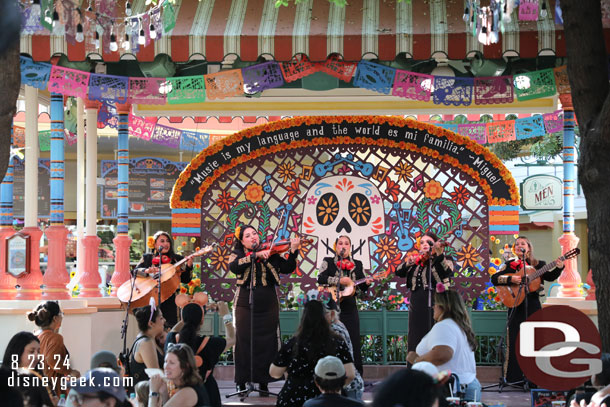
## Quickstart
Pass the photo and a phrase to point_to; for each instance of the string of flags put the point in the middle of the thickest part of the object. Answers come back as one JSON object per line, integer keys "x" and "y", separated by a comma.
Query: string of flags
{"x": 447, "y": 90}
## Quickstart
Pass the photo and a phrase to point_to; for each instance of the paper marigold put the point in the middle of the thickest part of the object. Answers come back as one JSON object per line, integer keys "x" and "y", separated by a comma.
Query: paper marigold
{"x": 254, "y": 193}
{"x": 433, "y": 189}
{"x": 150, "y": 242}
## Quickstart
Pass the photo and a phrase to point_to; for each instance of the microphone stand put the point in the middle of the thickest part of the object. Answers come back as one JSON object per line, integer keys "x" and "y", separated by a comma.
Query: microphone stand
{"x": 250, "y": 387}
{"x": 159, "y": 279}
{"x": 124, "y": 355}
{"x": 430, "y": 288}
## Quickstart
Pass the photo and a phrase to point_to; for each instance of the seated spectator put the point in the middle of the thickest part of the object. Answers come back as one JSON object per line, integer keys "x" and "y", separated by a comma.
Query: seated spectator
{"x": 451, "y": 343}
{"x": 10, "y": 395}
{"x": 102, "y": 388}
{"x": 145, "y": 352}
{"x": 207, "y": 349}
{"x": 329, "y": 376}
{"x": 105, "y": 358}
{"x": 22, "y": 358}
{"x": 55, "y": 356}
{"x": 407, "y": 388}
{"x": 598, "y": 381}
{"x": 298, "y": 356}
{"x": 355, "y": 389}
{"x": 182, "y": 373}
{"x": 142, "y": 389}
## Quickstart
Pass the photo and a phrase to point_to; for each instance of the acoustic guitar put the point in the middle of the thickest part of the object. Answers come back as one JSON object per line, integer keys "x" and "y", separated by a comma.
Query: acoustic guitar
{"x": 512, "y": 296}
{"x": 145, "y": 287}
{"x": 348, "y": 290}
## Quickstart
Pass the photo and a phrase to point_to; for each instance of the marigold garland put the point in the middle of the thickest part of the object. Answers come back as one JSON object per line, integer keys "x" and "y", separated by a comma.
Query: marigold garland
{"x": 175, "y": 201}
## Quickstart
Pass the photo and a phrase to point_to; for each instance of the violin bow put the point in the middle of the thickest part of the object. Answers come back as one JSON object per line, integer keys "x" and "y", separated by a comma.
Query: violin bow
{"x": 276, "y": 228}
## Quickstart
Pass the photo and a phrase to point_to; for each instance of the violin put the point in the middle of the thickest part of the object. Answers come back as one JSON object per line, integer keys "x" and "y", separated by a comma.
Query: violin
{"x": 280, "y": 246}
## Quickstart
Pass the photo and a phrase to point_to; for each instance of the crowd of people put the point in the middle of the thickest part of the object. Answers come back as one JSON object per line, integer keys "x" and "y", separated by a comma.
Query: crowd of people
{"x": 172, "y": 364}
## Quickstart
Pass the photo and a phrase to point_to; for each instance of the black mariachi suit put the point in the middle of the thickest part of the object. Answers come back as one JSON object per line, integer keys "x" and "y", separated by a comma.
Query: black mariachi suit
{"x": 266, "y": 329}
{"x": 420, "y": 315}
{"x": 512, "y": 372}
{"x": 168, "y": 307}
{"x": 330, "y": 275}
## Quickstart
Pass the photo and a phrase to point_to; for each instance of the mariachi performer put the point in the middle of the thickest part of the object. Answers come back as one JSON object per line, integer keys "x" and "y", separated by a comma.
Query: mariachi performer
{"x": 250, "y": 257}
{"x": 149, "y": 265}
{"x": 423, "y": 272}
{"x": 524, "y": 250}
{"x": 343, "y": 270}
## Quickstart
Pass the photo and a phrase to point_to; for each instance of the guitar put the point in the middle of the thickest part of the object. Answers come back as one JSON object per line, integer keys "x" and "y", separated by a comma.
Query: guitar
{"x": 348, "y": 290}
{"x": 511, "y": 296}
{"x": 145, "y": 287}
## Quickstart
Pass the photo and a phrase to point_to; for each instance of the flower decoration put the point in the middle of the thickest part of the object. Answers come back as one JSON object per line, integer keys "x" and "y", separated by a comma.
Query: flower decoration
{"x": 460, "y": 195}
{"x": 150, "y": 242}
{"x": 219, "y": 258}
{"x": 433, "y": 190}
{"x": 468, "y": 256}
{"x": 404, "y": 171}
{"x": 360, "y": 210}
{"x": 440, "y": 288}
{"x": 386, "y": 247}
{"x": 328, "y": 209}
{"x": 184, "y": 244}
{"x": 254, "y": 193}
{"x": 225, "y": 201}
{"x": 286, "y": 171}
{"x": 312, "y": 200}
{"x": 193, "y": 239}
{"x": 293, "y": 190}
{"x": 375, "y": 199}
{"x": 392, "y": 189}
{"x": 237, "y": 231}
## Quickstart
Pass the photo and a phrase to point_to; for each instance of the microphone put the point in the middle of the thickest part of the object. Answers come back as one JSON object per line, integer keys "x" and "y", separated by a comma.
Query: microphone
{"x": 522, "y": 250}
{"x": 342, "y": 252}
{"x": 159, "y": 249}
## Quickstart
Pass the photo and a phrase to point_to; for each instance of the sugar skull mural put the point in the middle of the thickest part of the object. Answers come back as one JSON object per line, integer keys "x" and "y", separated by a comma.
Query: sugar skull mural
{"x": 343, "y": 205}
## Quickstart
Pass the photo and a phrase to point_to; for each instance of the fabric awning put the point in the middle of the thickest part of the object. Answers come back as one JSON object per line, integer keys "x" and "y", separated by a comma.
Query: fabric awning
{"x": 213, "y": 29}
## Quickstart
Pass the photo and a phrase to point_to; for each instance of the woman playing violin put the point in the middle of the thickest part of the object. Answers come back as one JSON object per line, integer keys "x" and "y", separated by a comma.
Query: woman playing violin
{"x": 344, "y": 270}
{"x": 267, "y": 265}
{"x": 523, "y": 248}
{"x": 430, "y": 262}
{"x": 149, "y": 265}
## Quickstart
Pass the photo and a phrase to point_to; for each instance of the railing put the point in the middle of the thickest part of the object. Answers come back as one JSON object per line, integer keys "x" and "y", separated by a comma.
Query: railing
{"x": 384, "y": 334}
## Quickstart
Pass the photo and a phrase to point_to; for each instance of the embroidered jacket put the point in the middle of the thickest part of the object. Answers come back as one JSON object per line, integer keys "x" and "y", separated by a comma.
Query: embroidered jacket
{"x": 417, "y": 274}
{"x": 514, "y": 265}
{"x": 267, "y": 271}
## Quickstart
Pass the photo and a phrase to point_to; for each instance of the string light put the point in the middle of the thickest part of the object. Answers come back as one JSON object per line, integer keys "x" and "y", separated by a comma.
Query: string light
{"x": 126, "y": 45}
{"x": 543, "y": 12}
{"x": 151, "y": 32}
{"x": 97, "y": 40}
{"x": 113, "y": 45}
{"x": 466, "y": 15}
{"x": 127, "y": 8}
{"x": 80, "y": 37}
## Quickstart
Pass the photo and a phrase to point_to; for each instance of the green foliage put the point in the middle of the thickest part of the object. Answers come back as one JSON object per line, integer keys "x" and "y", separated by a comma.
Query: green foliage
{"x": 340, "y": 3}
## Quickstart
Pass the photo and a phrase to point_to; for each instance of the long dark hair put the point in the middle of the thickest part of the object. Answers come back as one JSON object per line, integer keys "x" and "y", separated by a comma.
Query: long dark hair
{"x": 186, "y": 358}
{"x": 453, "y": 307}
{"x": 44, "y": 313}
{"x": 406, "y": 387}
{"x": 143, "y": 317}
{"x": 315, "y": 332}
{"x": 239, "y": 246}
{"x": 192, "y": 315}
{"x": 170, "y": 252}
{"x": 16, "y": 346}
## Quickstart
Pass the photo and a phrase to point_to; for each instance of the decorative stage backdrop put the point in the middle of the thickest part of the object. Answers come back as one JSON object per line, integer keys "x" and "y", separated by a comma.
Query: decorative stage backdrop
{"x": 384, "y": 181}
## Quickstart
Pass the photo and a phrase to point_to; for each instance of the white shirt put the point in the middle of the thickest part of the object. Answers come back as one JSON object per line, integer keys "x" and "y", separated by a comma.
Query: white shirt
{"x": 448, "y": 333}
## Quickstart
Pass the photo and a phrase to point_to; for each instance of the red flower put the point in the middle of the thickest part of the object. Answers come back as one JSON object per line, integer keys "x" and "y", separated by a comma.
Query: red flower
{"x": 460, "y": 195}
{"x": 392, "y": 189}
{"x": 225, "y": 201}
{"x": 294, "y": 189}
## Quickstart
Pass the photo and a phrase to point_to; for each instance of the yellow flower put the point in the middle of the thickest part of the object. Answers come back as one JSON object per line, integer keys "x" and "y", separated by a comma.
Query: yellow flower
{"x": 254, "y": 193}
{"x": 150, "y": 242}
{"x": 193, "y": 240}
{"x": 191, "y": 290}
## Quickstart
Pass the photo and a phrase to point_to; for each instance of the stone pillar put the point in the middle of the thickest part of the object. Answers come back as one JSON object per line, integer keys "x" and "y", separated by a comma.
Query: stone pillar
{"x": 30, "y": 283}
{"x": 570, "y": 278}
{"x": 122, "y": 241}
{"x": 7, "y": 282}
{"x": 90, "y": 277}
{"x": 56, "y": 277}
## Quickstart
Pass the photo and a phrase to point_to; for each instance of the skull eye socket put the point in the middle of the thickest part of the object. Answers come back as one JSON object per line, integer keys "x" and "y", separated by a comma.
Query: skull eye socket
{"x": 360, "y": 209}
{"x": 327, "y": 209}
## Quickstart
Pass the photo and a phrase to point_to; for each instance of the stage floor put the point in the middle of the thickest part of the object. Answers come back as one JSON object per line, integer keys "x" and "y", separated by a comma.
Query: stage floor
{"x": 508, "y": 398}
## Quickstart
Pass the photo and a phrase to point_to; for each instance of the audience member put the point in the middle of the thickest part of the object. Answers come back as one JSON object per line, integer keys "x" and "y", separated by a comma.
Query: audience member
{"x": 145, "y": 352}
{"x": 102, "y": 388}
{"x": 298, "y": 356}
{"x": 55, "y": 356}
{"x": 142, "y": 389}
{"x": 207, "y": 349}
{"x": 598, "y": 381}
{"x": 407, "y": 388}
{"x": 355, "y": 389}
{"x": 105, "y": 358}
{"x": 181, "y": 372}
{"x": 329, "y": 376}
{"x": 22, "y": 357}
{"x": 451, "y": 342}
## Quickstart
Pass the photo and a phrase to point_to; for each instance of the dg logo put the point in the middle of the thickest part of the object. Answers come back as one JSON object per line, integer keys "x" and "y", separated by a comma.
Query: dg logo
{"x": 559, "y": 348}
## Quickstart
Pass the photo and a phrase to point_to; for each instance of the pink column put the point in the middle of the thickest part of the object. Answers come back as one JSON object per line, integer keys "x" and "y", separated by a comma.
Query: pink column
{"x": 90, "y": 279}
{"x": 29, "y": 285}
{"x": 121, "y": 265}
{"x": 7, "y": 282}
{"x": 570, "y": 278}
{"x": 56, "y": 277}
